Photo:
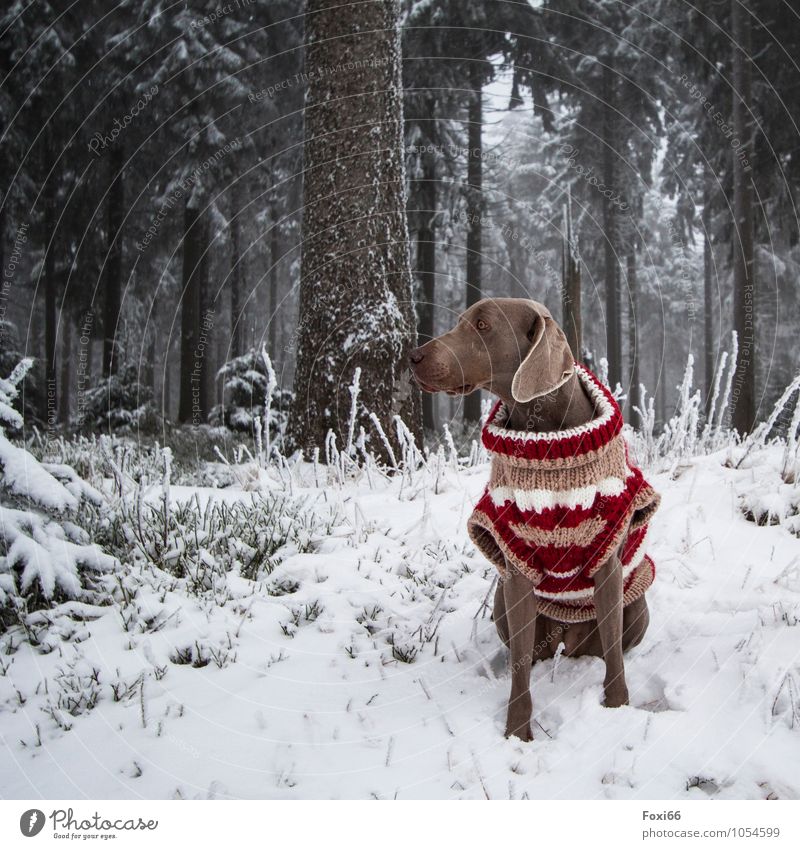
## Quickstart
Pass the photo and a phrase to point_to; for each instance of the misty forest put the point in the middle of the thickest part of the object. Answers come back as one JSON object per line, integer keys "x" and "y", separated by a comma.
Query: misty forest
{"x": 233, "y": 557}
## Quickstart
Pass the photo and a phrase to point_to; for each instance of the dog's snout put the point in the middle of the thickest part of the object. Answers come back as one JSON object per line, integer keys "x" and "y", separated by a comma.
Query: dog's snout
{"x": 416, "y": 356}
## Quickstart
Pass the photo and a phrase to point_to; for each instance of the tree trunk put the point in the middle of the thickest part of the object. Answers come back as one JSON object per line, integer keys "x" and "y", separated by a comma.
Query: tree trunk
{"x": 744, "y": 395}
{"x": 204, "y": 349}
{"x": 661, "y": 404}
{"x": 192, "y": 384}
{"x": 237, "y": 261}
{"x": 148, "y": 368}
{"x": 634, "y": 394}
{"x": 426, "y": 270}
{"x": 274, "y": 257}
{"x": 66, "y": 367}
{"x": 84, "y": 365}
{"x": 571, "y": 285}
{"x": 167, "y": 406}
{"x": 472, "y": 403}
{"x": 356, "y": 305}
{"x": 113, "y": 271}
{"x": 50, "y": 292}
{"x": 613, "y": 323}
{"x": 206, "y": 322}
{"x": 708, "y": 294}
{"x": 3, "y": 205}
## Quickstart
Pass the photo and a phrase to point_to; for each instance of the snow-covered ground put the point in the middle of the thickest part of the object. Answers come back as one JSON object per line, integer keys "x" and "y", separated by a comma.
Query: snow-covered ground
{"x": 368, "y": 666}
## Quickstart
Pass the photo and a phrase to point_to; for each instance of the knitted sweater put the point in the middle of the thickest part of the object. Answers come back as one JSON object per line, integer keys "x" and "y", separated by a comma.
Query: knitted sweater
{"x": 558, "y": 503}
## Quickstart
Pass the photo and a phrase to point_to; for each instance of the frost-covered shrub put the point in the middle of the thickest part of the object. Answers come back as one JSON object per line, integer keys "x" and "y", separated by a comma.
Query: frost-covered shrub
{"x": 690, "y": 431}
{"x": 28, "y": 403}
{"x": 127, "y": 460}
{"x": 45, "y": 553}
{"x": 97, "y": 458}
{"x": 119, "y": 402}
{"x": 244, "y": 383}
{"x": 193, "y": 448}
{"x": 202, "y": 542}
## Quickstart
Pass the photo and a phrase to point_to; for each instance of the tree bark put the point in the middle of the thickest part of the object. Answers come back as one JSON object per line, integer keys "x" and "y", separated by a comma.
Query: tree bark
{"x": 613, "y": 322}
{"x": 192, "y": 383}
{"x": 571, "y": 285}
{"x": 634, "y": 392}
{"x": 472, "y": 403}
{"x": 274, "y": 257}
{"x": 708, "y": 294}
{"x": 204, "y": 348}
{"x": 148, "y": 367}
{"x": 115, "y": 210}
{"x": 426, "y": 270}
{"x": 66, "y": 366}
{"x": 3, "y": 206}
{"x": 237, "y": 261}
{"x": 661, "y": 404}
{"x": 743, "y": 395}
{"x": 356, "y": 306}
{"x": 50, "y": 411}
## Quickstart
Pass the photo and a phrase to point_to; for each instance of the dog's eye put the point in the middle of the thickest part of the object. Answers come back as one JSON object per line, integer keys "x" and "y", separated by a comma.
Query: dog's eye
{"x": 482, "y": 325}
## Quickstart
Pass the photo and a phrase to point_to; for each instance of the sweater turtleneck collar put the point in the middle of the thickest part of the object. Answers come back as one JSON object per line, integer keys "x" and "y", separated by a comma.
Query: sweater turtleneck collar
{"x": 557, "y": 444}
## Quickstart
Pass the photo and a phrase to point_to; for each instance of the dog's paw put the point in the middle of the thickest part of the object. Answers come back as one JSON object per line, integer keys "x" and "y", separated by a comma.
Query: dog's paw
{"x": 521, "y": 731}
{"x": 616, "y": 698}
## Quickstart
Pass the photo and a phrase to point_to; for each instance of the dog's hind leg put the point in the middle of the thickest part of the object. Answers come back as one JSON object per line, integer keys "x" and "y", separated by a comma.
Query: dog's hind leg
{"x": 499, "y": 613}
{"x": 635, "y": 619}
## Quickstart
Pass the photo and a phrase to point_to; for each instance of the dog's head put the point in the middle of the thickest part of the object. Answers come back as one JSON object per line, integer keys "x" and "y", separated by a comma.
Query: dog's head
{"x": 509, "y": 346}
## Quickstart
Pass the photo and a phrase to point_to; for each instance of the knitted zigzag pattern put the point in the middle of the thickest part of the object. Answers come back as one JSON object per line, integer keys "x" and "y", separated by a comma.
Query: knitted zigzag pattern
{"x": 559, "y": 503}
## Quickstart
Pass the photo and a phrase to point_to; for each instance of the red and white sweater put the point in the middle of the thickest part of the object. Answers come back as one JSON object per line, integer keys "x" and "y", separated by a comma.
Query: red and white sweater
{"x": 558, "y": 503}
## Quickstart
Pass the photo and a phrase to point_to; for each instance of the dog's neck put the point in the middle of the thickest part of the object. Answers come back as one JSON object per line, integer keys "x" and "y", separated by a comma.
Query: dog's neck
{"x": 565, "y": 407}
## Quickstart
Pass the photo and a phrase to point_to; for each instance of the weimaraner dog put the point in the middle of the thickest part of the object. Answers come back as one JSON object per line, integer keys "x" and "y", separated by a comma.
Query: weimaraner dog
{"x": 513, "y": 348}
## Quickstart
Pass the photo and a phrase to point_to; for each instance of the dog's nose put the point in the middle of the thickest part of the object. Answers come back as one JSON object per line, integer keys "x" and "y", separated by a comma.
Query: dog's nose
{"x": 416, "y": 356}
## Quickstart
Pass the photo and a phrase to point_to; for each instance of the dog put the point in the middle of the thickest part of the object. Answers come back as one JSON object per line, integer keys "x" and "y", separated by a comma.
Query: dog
{"x": 530, "y": 523}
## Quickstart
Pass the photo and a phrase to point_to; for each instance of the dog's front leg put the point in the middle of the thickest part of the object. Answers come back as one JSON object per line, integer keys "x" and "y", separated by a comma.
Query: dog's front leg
{"x": 520, "y": 604}
{"x": 608, "y": 604}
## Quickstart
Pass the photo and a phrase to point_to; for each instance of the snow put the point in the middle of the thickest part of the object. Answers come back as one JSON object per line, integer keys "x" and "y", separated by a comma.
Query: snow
{"x": 22, "y": 475}
{"x": 296, "y": 687}
{"x": 26, "y": 477}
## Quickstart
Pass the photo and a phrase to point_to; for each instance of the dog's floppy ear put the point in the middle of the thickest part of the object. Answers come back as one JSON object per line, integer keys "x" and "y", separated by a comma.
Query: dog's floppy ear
{"x": 549, "y": 362}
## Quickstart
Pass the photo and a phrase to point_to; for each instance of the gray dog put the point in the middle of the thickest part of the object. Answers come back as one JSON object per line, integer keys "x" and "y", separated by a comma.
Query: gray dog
{"x": 564, "y": 515}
